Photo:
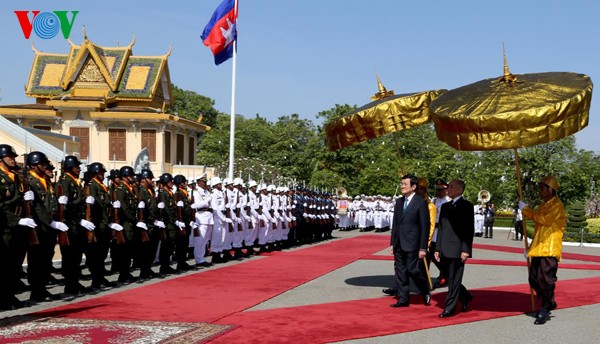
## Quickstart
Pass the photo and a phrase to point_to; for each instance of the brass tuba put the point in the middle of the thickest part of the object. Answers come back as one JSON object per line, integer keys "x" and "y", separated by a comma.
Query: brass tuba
{"x": 341, "y": 192}
{"x": 484, "y": 196}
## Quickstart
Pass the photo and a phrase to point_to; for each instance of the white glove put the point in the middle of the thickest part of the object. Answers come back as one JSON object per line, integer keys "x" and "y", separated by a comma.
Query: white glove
{"x": 28, "y": 196}
{"x": 59, "y": 226}
{"x": 228, "y": 221}
{"x": 87, "y": 225}
{"x": 293, "y": 218}
{"x": 195, "y": 206}
{"x": 179, "y": 224}
{"x": 193, "y": 224}
{"x": 141, "y": 225}
{"x": 27, "y": 222}
{"x": 161, "y": 205}
{"x": 522, "y": 205}
{"x": 238, "y": 220}
{"x": 180, "y": 204}
{"x": 63, "y": 200}
{"x": 115, "y": 226}
{"x": 90, "y": 200}
{"x": 116, "y": 204}
{"x": 141, "y": 205}
{"x": 159, "y": 224}
{"x": 304, "y": 204}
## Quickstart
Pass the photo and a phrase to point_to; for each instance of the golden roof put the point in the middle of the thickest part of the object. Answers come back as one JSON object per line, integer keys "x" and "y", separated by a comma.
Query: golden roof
{"x": 109, "y": 72}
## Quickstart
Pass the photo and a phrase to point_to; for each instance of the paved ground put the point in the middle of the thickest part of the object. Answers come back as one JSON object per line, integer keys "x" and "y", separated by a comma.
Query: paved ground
{"x": 365, "y": 279}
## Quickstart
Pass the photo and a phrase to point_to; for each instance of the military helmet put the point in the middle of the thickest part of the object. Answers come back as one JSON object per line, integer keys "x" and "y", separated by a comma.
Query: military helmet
{"x": 36, "y": 157}
{"x": 146, "y": 173}
{"x": 7, "y": 150}
{"x": 137, "y": 178}
{"x": 126, "y": 171}
{"x": 96, "y": 168}
{"x": 71, "y": 161}
{"x": 179, "y": 179}
{"x": 49, "y": 166}
{"x": 114, "y": 173}
{"x": 166, "y": 178}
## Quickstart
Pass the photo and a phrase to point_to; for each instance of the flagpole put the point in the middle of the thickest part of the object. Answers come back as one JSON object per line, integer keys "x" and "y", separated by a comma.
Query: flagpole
{"x": 232, "y": 118}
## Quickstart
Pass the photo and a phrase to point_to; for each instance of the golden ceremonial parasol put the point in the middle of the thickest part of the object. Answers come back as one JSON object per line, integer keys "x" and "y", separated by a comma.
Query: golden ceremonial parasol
{"x": 387, "y": 113}
{"x": 512, "y": 112}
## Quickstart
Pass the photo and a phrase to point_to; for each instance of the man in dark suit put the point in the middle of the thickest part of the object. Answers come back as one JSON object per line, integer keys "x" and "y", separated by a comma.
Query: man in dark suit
{"x": 454, "y": 245}
{"x": 410, "y": 234}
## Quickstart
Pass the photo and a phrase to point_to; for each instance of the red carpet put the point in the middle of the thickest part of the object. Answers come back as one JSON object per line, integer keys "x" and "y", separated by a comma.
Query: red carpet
{"x": 501, "y": 262}
{"x": 221, "y": 296}
{"x": 373, "y": 317}
{"x": 519, "y": 250}
{"x": 214, "y": 294}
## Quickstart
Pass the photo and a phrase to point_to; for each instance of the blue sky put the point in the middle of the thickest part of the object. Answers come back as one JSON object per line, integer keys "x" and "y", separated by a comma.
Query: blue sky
{"x": 305, "y": 56}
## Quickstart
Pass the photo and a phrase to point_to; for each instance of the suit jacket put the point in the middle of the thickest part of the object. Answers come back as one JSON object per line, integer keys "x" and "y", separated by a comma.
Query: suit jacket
{"x": 456, "y": 229}
{"x": 410, "y": 229}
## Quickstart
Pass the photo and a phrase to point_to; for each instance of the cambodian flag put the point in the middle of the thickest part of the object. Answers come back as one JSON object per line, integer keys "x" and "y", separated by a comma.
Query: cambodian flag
{"x": 220, "y": 33}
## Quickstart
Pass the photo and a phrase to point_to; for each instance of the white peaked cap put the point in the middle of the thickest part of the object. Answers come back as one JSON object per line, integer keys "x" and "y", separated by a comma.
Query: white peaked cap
{"x": 215, "y": 180}
{"x": 252, "y": 183}
{"x": 227, "y": 181}
{"x": 238, "y": 181}
{"x": 262, "y": 187}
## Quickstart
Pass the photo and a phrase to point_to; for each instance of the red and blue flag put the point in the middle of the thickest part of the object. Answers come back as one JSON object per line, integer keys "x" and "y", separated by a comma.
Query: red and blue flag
{"x": 220, "y": 33}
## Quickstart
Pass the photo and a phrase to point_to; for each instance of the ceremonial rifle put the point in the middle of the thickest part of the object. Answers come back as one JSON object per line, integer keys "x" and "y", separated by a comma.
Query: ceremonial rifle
{"x": 91, "y": 237}
{"x": 117, "y": 235}
{"x": 63, "y": 237}
{"x": 179, "y": 212}
{"x": 248, "y": 210}
{"x": 31, "y": 232}
{"x": 226, "y": 212}
{"x": 237, "y": 211}
{"x": 143, "y": 234}
{"x": 162, "y": 232}
{"x": 193, "y": 213}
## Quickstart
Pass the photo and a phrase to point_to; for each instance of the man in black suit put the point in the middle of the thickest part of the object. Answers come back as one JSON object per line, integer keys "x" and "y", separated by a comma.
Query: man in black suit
{"x": 454, "y": 245}
{"x": 410, "y": 234}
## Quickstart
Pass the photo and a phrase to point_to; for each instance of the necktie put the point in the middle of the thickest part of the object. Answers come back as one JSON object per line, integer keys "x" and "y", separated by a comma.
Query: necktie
{"x": 405, "y": 204}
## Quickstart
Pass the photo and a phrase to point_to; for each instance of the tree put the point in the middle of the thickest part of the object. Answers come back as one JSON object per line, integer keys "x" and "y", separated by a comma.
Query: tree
{"x": 191, "y": 105}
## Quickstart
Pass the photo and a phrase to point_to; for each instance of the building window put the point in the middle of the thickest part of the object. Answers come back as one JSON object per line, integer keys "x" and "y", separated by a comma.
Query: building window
{"x": 149, "y": 142}
{"x": 192, "y": 151}
{"x": 43, "y": 127}
{"x": 180, "y": 149}
{"x": 117, "y": 144}
{"x": 168, "y": 147}
{"x": 84, "y": 140}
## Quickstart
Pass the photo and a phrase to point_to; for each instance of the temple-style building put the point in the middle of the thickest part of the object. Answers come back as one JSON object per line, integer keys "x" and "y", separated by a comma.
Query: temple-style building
{"x": 114, "y": 103}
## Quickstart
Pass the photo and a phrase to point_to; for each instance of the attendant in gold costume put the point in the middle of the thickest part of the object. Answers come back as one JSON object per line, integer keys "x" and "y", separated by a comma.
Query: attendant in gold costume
{"x": 546, "y": 249}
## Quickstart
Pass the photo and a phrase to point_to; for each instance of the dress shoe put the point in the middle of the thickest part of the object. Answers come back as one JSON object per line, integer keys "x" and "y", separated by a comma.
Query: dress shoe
{"x": 390, "y": 292}
{"x": 167, "y": 270}
{"x": 183, "y": 267}
{"x": 400, "y": 304}
{"x": 465, "y": 303}
{"x": 204, "y": 264}
{"x": 126, "y": 279}
{"x": 541, "y": 318}
{"x": 446, "y": 314}
{"x": 427, "y": 299}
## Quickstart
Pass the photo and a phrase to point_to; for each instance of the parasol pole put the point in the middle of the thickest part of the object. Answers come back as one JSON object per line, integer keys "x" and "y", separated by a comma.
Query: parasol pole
{"x": 402, "y": 171}
{"x": 520, "y": 190}
{"x": 232, "y": 118}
